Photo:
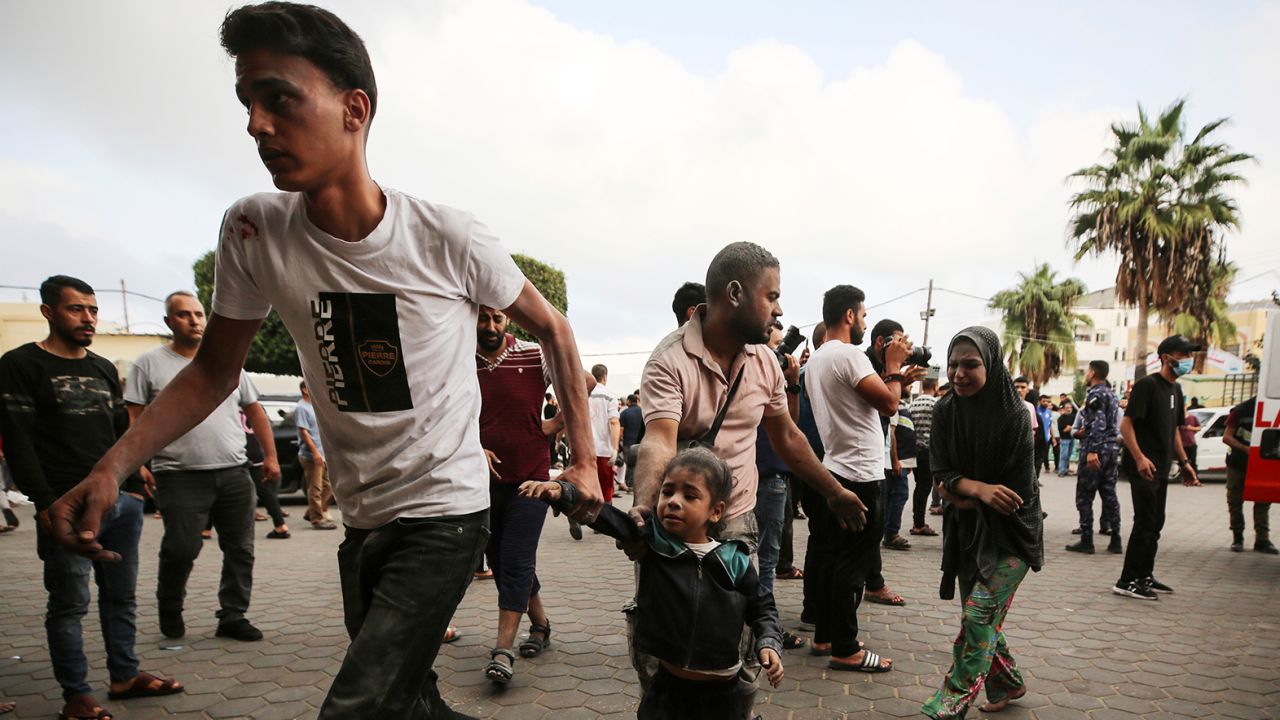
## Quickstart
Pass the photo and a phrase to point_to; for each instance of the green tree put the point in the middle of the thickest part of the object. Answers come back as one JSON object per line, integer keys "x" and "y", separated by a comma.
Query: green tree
{"x": 1160, "y": 203}
{"x": 550, "y": 282}
{"x": 1039, "y": 323}
{"x": 1214, "y": 326}
{"x": 272, "y": 350}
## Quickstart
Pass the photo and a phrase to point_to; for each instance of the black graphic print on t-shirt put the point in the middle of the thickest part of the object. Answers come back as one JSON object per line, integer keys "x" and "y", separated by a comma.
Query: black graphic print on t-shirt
{"x": 358, "y": 336}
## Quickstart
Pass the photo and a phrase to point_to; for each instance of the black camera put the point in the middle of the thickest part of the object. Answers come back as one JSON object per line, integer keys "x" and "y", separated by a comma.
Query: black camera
{"x": 920, "y": 356}
{"x": 789, "y": 343}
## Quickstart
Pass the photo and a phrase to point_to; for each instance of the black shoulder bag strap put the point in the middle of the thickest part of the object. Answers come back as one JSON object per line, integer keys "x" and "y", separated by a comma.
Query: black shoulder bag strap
{"x": 708, "y": 439}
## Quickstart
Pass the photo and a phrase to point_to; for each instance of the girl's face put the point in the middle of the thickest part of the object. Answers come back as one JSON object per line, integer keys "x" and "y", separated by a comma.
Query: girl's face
{"x": 965, "y": 370}
{"x": 684, "y": 506}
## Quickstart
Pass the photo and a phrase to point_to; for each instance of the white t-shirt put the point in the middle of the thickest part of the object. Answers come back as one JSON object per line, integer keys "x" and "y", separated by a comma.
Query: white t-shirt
{"x": 849, "y": 425}
{"x": 386, "y": 332}
{"x": 217, "y": 442}
{"x": 603, "y": 406}
{"x": 701, "y": 549}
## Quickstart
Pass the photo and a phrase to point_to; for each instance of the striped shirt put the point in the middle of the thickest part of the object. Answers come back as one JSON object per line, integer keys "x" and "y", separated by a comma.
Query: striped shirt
{"x": 511, "y": 394}
{"x": 921, "y": 409}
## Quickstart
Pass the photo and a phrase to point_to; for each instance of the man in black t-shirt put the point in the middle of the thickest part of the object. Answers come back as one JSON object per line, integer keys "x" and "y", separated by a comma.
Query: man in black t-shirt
{"x": 1151, "y": 445}
{"x": 1238, "y": 435}
{"x": 61, "y": 408}
{"x": 632, "y": 421}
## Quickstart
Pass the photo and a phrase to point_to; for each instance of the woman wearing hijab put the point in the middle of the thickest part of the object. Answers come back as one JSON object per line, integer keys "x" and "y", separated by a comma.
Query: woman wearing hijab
{"x": 983, "y": 462}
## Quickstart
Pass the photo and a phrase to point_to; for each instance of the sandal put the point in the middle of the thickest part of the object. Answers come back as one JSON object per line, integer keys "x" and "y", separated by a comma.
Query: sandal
{"x": 924, "y": 530}
{"x": 532, "y": 647}
{"x": 870, "y": 664}
{"x": 897, "y": 542}
{"x": 7, "y": 528}
{"x": 86, "y": 710}
{"x": 147, "y": 685}
{"x": 7, "y": 707}
{"x": 794, "y": 573}
{"x": 451, "y": 635}
{"x": 995, "y": 707}
{"x": 792, "y": 642}
{"x": 888, "y": 597}
{"x": 500, "y": 671}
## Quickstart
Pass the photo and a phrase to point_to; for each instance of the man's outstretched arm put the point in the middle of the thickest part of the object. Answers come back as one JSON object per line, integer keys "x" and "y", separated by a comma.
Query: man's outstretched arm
{"x": 533, "y": 313}
{"x": 196, "y": 391}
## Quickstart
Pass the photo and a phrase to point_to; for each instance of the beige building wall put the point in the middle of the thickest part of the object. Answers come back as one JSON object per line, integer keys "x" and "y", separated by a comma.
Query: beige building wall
{"x": 22, "y": 323}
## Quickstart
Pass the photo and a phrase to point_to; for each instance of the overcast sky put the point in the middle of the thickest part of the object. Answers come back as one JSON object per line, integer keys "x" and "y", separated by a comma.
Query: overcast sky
{"x": 878, "y": 144}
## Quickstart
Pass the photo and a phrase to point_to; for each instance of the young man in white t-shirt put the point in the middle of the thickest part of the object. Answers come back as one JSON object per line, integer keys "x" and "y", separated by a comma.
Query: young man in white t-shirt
{"x": 605, "y": 429}
{"x": 380, "y": 291}
{"x": 848, "y": 397}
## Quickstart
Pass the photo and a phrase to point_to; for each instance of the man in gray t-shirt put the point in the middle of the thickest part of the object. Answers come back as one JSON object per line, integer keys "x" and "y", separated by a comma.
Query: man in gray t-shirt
{"x": 203, "y": 475}
{"x": 315, "y": 468}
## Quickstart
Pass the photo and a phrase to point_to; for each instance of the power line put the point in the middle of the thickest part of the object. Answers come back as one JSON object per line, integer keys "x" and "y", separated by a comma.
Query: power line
{"x": 101, "y": 290}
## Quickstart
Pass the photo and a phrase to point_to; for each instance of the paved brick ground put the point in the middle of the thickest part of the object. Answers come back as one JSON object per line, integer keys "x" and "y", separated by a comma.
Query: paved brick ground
{"x": 1211, "y": 650}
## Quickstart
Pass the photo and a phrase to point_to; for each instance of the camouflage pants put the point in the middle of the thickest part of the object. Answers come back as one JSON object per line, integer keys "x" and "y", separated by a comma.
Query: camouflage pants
{"x": 1098, "y": 482}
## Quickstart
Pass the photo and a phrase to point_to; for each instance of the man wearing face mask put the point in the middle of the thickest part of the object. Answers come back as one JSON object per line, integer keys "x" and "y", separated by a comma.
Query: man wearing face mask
{"x": 1149, "y": 433}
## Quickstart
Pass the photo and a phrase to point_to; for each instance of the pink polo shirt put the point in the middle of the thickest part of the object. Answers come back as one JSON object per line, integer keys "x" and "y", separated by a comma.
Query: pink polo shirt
{"x": 682, "y": 382}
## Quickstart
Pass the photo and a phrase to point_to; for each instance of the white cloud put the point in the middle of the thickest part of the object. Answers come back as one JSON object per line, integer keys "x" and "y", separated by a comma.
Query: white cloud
{"x": 610, "y": 159}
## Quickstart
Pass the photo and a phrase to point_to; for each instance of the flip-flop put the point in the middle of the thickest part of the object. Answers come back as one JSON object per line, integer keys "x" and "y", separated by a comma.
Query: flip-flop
{"x": 144, "y": 685}
{"x": 451, "y": 635}
{"x": 870, "y": 664}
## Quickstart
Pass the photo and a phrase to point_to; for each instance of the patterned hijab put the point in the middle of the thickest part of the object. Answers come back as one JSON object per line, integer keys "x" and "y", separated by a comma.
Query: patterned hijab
{"x": 987, "y": 437}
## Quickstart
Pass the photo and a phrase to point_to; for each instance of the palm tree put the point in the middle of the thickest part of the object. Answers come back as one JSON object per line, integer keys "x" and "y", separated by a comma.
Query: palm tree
{"x": 1039, "y": 323}
{"x": 1160, "y": 203}
{"x": 1214, "y": 326}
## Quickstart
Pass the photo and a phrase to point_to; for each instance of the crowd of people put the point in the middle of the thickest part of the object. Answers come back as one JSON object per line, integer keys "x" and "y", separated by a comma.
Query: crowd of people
{"x": 727, "y": 442}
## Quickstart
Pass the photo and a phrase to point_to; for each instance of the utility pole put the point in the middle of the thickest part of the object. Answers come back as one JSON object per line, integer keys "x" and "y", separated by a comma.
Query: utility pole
{"x": 928, "y": 313}
{"x": 124, "y": 298}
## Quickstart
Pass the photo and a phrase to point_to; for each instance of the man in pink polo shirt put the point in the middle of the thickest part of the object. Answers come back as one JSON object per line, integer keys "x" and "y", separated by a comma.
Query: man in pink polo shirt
{"x": 687, "y": 380}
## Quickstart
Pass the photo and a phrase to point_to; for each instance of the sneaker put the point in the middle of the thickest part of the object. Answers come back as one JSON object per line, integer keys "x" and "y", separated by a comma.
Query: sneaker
{"x": 1237, "y": 546}
{"x": 278, "y": 535}
{"x": 1134, "y": 589}
{"x": 1114, "y": 547}
{"x": 1266, "y": 547}
{"x": 171, "y": 624}
{"x": 324, "y": 525}
{"x": 1104, "y": 531}
{"x": 1077, "y": 531}
{"x": 240, "y": 629}
{"x": 575, "y": 530}
{"x": 1157, "y": 586}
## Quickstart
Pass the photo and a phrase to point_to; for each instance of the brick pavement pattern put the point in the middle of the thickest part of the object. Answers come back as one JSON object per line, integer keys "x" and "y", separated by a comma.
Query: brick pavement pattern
{"x": 1210, "y": 650}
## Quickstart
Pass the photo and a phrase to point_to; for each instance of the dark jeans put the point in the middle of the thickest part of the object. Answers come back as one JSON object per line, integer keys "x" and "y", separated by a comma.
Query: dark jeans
{"x": 66, "y": 577}
{"x": 1098, "y": 482}
{"x": 1148, "y": 520}
{"x": 771, "y": 512}
{"x": 189, "y": 501}
{"x": 515, "y": 527}
{"x": 1042, "y": 453}
{"x": 895, "y": 490}
{"x": 786, "y": 552}
{"x": 923, "y": 489}
{"x": 841, "y": 564}
{"x": 401, "y": 584}
{"x": 269, "y": 494}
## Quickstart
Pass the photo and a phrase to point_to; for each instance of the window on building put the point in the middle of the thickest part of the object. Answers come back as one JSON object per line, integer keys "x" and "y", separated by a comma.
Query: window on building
{"x": 1102, "y": 337}
{"x": 1084, "y": 336}
{"x": 1115, "y": 354}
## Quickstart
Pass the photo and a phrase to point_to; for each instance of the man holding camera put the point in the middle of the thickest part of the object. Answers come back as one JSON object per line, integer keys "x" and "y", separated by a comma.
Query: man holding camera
{"x": 849, "y": 397}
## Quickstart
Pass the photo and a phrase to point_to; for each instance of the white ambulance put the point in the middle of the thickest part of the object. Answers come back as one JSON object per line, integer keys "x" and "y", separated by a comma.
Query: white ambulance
{"x": 1262, "y": 483}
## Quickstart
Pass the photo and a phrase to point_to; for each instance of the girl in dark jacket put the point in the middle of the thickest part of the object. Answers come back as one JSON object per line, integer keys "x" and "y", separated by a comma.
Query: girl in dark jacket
{"x": 983, "y": 461}
{"x": 694, "y": 593}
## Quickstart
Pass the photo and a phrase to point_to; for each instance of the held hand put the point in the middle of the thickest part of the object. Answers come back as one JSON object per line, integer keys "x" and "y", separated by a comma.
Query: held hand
{"x": 1190, "y": 477}
{"x": 896, "y": 352}
{"x": 640, "y": 515}
{"x": 545, "y": 491}
{"x": 583, "y": 476}
{"x": 494, "y": 462}
{"x": 1146, "y": 469}
{"x": 792, "y": 371}
{"x": 271, "y": 470}
{"x": 849, "y": 510}
{"x": 772, "y": 664}
{"x": 75, "y": 519}
{"x": 1000, "y": 498}
{"x": 148, "y": 481}
{"x": 1093, "y": 462}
